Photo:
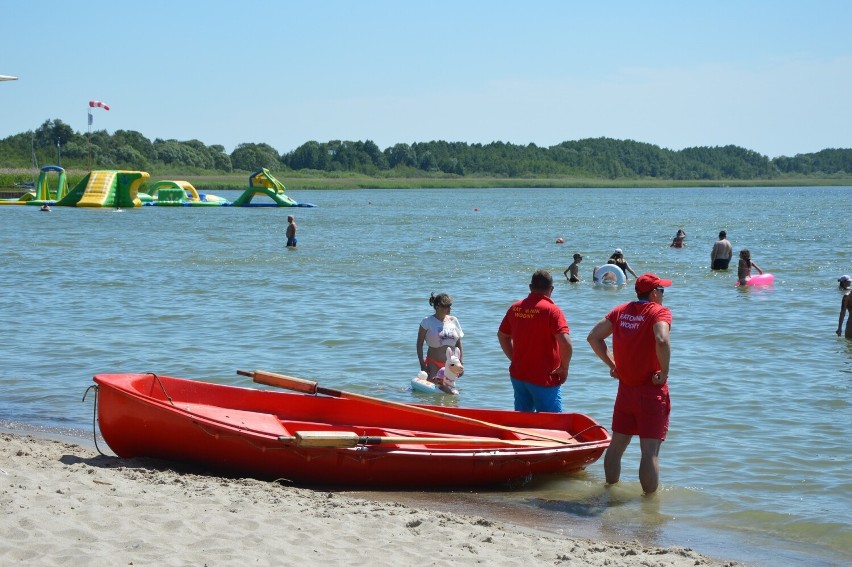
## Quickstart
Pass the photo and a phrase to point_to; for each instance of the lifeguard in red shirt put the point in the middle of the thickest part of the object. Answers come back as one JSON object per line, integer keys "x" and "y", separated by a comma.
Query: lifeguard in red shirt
{"x": 639, "y": 360}
{"x": 534, "y": 336}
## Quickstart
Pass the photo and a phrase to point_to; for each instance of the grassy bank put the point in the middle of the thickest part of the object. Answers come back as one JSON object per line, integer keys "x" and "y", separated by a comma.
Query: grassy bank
{"x": 9, "y": 178}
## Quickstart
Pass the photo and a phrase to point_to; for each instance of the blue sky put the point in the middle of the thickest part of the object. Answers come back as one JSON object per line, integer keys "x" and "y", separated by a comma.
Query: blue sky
{"x": 771, "y": 76}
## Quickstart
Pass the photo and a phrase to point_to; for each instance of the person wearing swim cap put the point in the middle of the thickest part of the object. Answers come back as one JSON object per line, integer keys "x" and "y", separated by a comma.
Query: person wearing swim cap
{"x": 639, "y": 360}
{"x": 621, "y": 262}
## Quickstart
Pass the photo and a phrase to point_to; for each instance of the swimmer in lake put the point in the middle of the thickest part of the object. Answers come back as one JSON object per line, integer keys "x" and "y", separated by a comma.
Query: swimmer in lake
{"x": 573, "y": 269}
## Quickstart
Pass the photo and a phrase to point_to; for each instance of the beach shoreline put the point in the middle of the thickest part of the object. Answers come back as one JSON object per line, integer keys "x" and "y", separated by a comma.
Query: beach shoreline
{"x": 64, "y": 501}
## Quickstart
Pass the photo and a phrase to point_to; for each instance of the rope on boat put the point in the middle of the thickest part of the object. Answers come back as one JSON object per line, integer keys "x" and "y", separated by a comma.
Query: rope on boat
{"x": 94, "y": 416}
{"x": 157, "y": 378}
{"x": 586, "y": 429}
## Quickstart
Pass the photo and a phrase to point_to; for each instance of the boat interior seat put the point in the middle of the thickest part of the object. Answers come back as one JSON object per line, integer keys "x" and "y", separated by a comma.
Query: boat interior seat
{"x": 266, "y": 423}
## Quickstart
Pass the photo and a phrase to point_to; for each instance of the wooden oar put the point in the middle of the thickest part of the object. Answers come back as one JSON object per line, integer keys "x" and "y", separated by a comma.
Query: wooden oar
{"x": 309, "y": 387}
{"x": 352, "y": 439}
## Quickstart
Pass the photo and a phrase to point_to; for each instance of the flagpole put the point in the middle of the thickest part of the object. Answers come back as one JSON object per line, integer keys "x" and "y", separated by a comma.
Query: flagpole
{"x": 93, "y": 104}
{"x": 89, "y": 140}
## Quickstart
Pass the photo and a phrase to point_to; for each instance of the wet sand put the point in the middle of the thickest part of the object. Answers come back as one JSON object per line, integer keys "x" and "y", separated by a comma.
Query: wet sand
{"x": 65, "y": 504}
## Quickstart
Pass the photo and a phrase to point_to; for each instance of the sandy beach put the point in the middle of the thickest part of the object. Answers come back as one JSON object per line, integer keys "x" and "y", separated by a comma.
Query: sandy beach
{"x": 64, "y": 504}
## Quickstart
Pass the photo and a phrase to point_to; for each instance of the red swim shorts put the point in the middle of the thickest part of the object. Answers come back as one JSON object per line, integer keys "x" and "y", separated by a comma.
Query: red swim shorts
{"x": 642, "y": 411}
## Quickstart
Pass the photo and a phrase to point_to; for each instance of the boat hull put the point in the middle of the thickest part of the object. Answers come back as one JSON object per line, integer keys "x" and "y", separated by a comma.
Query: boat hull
{"x": 249, "y": 432}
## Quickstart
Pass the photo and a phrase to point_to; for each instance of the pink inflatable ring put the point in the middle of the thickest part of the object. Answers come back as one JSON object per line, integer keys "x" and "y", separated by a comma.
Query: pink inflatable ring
{"x": 760, "y": 279}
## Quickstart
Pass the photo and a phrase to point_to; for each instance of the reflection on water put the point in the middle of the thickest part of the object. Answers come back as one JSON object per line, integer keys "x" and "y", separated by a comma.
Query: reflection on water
{"x": 756, "y": 460}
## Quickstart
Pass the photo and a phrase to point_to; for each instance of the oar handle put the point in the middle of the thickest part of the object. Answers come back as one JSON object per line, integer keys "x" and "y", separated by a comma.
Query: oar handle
{"x": 282, "y": 381}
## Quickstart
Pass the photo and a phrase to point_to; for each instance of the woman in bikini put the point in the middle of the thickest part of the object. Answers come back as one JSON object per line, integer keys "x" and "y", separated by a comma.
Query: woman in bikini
{"x": 439, "y": 331}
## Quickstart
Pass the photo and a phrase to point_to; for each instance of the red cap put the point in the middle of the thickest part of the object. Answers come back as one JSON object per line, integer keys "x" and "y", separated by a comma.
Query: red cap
{"x": 648, "y": 282}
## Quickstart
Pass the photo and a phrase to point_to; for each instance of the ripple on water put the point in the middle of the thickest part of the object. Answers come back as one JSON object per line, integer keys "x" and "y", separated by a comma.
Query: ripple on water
{"x": 757, "y": 452}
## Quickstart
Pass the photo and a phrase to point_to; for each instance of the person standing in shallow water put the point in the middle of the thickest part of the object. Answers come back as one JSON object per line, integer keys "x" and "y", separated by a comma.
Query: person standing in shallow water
{"x": 439, "y": 331}
{"x": 291, "y": 232}
{"x": 572, "y": 272}
{"x": 845, "y": 305}
{"x": 621, "y": 262}
{"x": 745, "y": 266}
{"x": 639, "y": 360}
{"x": 720, "y": 255}
{"x": 534, "y": 336}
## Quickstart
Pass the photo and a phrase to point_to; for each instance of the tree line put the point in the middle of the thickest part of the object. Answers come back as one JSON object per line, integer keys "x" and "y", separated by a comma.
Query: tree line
{"x": 54, "y": 142}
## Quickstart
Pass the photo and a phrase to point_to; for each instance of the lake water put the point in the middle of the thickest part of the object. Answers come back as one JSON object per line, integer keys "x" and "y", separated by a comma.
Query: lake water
{"x": 757, "y": 463}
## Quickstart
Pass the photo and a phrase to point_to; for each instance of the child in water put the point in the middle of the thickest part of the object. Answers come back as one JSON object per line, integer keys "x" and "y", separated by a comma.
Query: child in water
{"x": 574, "y": 269}
{"x": 606, "y": 277}
{"x": 745, "y": 265}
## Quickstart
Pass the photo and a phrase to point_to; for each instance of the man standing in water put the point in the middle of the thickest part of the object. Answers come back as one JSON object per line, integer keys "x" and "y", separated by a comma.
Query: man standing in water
{"x": 291, "y": 232}
{"x": 845, "y": 282}
{"x": 534, "y": 337}
{"x": 721, "y": 254}
{"x": 639, "y": 360}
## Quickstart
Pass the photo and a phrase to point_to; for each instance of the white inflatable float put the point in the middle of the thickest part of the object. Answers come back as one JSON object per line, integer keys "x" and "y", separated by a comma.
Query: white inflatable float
{"x": 445, "y": 378}
{"x": 421, "y": 384}
{"x": 619, "y": 278}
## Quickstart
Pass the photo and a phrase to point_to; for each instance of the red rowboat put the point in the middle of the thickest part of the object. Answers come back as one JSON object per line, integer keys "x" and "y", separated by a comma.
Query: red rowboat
{"x": 342, "y": 440}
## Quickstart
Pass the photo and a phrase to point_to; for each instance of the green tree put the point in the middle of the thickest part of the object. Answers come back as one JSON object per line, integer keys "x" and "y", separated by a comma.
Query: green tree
{"x": 221, "y": 160}
{"x": 172, "y": 152}
{"x": 251, "y": 157}
{"x": 137, "y": 141}
{"x": 401, "y": 154}
{"x": 310, "y": 155}
{"x": 53, "y": 132}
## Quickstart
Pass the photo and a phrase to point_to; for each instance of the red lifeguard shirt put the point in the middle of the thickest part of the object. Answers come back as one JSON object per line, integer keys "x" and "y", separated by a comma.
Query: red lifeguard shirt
{"x": 633, "y": 344}
{"x": 533, "y": 324}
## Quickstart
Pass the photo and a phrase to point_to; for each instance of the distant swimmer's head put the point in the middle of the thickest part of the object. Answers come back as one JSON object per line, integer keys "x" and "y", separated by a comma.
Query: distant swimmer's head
{"x": 577, "y": 257}
{"x": 723, "y": 235}
{"x": 844, "y": 281}
{"x": 618, "y": 252}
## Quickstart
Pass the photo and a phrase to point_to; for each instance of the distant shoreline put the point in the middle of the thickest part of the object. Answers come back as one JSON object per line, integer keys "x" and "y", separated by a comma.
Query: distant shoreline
{"x": 545, "y": 183}
{"x": 294, "y": 180}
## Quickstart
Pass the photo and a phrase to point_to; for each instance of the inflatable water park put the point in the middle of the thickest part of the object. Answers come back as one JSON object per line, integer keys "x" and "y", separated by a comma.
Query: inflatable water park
{"x": 122, "y": 189}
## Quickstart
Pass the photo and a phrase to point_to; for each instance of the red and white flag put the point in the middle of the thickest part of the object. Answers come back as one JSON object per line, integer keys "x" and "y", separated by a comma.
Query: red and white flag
{"x": 98, "y": 104}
